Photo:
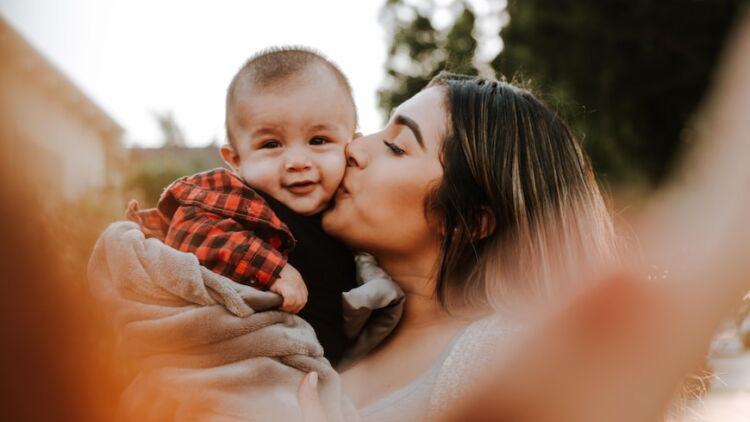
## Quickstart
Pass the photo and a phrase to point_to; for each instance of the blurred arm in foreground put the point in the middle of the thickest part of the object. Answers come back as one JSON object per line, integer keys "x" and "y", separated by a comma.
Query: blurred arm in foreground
{"x": 620, "y": 351}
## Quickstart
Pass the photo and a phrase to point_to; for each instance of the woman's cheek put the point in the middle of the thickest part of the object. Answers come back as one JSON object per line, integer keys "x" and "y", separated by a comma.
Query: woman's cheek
{"x": 399, "y": 200}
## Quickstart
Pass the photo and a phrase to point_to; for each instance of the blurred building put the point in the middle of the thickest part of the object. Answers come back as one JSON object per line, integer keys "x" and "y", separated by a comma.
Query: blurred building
{"x": 192, "y": 159}
{"x": 50, "y": 127}
{"x": 150, "y": 170}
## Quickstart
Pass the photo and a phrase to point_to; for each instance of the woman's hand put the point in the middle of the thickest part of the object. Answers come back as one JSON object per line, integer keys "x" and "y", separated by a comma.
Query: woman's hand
{"x": 309, "y": 400}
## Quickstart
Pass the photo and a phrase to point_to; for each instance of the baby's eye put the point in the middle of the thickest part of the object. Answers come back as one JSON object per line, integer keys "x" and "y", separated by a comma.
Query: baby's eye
{"x": 393, "y": 147}
{"x": 271, "y": 143}
{"x": 319, "y": 140}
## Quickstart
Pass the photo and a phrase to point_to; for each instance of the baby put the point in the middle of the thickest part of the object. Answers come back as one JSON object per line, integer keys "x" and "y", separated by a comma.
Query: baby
{"x": 289, "y": 115}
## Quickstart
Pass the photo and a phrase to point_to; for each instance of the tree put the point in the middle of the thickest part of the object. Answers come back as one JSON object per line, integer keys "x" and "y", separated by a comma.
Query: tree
{"x": 418, "y": 51}
{"x": 628, "y": 74}
{"x": 172, "y": 135}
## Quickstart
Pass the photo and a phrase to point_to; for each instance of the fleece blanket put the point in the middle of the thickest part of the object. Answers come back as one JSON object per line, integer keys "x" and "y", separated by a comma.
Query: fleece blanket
{"x": 206, "y": 348}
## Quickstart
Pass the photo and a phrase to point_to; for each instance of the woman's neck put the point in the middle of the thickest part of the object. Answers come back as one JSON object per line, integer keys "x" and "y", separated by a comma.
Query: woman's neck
{"x": 421, "y": 308}
{"x": 416, "y": 277}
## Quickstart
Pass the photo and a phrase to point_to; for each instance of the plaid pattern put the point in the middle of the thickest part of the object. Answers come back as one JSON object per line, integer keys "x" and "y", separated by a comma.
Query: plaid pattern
{"x": 224, "y": 222}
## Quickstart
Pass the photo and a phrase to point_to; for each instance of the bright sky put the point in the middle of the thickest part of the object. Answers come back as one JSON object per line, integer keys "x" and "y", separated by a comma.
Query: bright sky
{"x": 137, "y": 57}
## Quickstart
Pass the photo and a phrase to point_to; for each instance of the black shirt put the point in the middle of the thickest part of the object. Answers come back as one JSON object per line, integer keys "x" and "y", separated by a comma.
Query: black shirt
{"x": 327, "y": 267}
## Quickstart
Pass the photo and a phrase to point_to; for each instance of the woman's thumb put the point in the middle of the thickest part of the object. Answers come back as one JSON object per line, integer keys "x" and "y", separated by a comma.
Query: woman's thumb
{"x": 309, "y": 400}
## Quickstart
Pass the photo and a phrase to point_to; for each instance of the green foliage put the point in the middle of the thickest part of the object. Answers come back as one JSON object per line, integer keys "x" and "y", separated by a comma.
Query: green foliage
{"x": 146, "y": 181}
{"x": 172, "y": 134}
{"x": 153, "y": 169}
{"x": 628, "y": 75}
{"x": 418, "y": 51}
{"x": 460, "y": 45}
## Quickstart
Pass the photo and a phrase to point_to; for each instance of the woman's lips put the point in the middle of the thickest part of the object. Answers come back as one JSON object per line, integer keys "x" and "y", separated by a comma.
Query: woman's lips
{"x": 301, "y": 188}
{"x": 342, "y": 192}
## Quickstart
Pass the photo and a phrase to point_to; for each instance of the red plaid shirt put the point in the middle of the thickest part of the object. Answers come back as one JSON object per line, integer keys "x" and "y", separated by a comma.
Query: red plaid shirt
{"x": 224, "y": 222}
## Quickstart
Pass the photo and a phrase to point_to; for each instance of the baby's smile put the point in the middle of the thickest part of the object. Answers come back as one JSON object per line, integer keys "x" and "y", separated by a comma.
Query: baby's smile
{"x": 302, "y": 187}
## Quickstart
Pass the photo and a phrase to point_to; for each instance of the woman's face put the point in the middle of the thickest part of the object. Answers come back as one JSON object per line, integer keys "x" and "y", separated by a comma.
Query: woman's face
{"x": 379, "y": 207}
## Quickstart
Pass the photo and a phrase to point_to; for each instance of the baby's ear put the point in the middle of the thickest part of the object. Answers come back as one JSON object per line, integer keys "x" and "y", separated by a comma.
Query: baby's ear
{"x": 230, "y": 156}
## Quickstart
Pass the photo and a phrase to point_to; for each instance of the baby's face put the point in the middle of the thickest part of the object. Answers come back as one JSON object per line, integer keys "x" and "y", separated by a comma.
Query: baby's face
{"x": 290, "y": 139}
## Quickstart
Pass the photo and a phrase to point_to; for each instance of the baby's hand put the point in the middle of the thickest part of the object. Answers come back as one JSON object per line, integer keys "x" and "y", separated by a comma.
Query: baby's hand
{"x": 292, "y": 288}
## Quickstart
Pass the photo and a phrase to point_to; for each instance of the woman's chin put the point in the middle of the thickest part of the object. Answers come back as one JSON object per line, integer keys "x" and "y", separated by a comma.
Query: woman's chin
{"x": 331, "y": 220}
{"x": 341, "y": 223}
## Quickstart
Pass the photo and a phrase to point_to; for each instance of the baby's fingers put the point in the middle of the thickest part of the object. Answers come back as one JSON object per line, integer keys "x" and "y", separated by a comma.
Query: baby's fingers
{"x": 302, "y": 299}
{"x": 290, "y": 305}
{"x": 301, "y": 305}
{"x": 297, "y": 304}
{"x": 293, "y": 302}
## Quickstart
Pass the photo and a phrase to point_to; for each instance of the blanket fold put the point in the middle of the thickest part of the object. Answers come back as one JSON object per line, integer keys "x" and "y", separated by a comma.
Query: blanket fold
{"x": 205, "y": 347}
{"x": 371, "y": 311}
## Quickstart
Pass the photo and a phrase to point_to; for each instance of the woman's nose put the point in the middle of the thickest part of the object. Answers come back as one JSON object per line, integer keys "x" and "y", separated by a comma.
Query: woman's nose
{"x": 355, "y": 153}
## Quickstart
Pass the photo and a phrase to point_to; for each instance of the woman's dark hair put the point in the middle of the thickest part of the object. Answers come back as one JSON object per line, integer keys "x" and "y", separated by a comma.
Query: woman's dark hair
{"x": 518, "y": 201}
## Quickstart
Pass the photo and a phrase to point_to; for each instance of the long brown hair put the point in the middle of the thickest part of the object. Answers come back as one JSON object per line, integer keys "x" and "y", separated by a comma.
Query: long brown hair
{"x": 520, "y": 206}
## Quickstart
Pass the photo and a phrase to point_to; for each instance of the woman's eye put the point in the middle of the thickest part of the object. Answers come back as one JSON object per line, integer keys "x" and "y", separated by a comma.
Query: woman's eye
{"x": 271, "y": 144}
{"x": 319, "y": 140}
{"x": 393, "y": 147}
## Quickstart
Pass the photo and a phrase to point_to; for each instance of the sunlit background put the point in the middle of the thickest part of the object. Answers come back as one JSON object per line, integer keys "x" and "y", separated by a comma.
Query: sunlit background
{"x": 140, "y": 59}
{"x": 105, "y": 100}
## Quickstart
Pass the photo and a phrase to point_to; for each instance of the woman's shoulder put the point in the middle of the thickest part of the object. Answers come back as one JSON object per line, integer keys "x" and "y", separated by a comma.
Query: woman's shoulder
{"x": 482, "y": 340}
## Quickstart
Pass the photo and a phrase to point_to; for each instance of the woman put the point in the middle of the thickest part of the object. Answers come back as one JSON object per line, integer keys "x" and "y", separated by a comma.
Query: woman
{"x": 617, "y": 352}
{"x": 474, "y": 197}
{"x": 468, "y": 177}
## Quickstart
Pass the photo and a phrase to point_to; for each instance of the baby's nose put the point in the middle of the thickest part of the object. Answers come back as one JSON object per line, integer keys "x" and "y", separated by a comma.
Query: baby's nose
{"x": 298, "y": 162}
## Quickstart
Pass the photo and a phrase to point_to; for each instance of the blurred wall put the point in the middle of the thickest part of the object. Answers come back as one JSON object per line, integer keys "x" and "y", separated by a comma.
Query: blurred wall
{"x": 52, "y": 128}
{"x": 61, "y": 177}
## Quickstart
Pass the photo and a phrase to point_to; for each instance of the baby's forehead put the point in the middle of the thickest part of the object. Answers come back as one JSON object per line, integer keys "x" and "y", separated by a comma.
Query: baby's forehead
{"x": 316, "y": 77}
{"x": 303, "y": 104}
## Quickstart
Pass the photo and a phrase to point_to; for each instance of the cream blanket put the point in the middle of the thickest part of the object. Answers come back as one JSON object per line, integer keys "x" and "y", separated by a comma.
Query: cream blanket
{"x": 206, "y": 348}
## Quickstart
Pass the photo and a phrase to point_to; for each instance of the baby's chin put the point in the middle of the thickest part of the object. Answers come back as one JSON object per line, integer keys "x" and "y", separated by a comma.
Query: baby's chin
{"x": 302, "y": 207}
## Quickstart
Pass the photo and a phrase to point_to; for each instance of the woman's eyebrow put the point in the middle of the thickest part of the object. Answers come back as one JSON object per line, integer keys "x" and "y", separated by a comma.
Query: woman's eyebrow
{"x": 411, "y": 124}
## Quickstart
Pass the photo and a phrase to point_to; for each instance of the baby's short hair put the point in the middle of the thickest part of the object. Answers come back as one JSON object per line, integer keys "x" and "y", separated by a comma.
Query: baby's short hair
{"x": 276, "y": 64}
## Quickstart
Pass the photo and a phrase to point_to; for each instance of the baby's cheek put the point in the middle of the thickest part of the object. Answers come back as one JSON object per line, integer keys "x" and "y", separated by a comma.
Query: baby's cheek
{"x": 333, "y": 164}
{"x": 260, "y": 174}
